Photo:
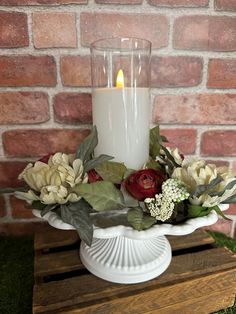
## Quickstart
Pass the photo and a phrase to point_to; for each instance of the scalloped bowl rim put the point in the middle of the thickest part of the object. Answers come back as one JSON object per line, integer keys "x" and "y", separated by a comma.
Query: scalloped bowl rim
{"x": 187, "y": 227}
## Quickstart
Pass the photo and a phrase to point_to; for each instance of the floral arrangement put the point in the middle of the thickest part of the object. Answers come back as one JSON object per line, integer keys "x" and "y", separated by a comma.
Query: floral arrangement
{"x": 87, "y": 191}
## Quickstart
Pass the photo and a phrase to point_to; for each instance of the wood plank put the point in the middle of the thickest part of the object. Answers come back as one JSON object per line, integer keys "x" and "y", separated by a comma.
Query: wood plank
{"x": 197, "y": 238}
{"x": 55, "y": 238}
{"x": 57, "y": 263}
{"x": 145, "y": 300}
{"x": 88, "y": 289}
{"x": 204, "y": 305}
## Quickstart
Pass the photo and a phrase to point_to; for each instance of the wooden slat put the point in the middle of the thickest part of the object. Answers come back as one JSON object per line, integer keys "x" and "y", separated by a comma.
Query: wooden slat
{"x": 217, "y": 265}
{"x": 143, "y": 300}
{"x": 56, "y": 263}
{"x": 197, "y": 238}
{"x": 55, "y": 238}
{"x": 201, "y": 305}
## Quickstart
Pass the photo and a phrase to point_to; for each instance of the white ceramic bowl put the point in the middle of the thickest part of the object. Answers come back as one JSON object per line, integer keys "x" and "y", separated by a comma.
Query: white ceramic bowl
{"x": 157, "y": 230}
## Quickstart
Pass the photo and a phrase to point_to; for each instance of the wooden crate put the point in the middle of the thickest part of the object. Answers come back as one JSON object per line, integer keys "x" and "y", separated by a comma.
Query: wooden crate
{"x": 201, "y": 279}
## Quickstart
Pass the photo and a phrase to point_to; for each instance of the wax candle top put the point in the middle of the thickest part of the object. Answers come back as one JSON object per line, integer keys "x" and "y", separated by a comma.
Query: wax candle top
{"x": 120, "y": 79}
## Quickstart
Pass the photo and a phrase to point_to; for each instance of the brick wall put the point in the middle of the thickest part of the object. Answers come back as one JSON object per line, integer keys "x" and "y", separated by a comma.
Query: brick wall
{"x": 45, "y": 101}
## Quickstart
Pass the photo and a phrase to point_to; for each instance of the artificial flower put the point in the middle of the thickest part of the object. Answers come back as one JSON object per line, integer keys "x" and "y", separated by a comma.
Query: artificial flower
{"x": 54, "y": 180}
{"x": 144, "y": 183}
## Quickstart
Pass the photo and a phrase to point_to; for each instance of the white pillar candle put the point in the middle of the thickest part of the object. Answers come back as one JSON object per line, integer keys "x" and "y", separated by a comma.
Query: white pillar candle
{"x": 121, "y": 116}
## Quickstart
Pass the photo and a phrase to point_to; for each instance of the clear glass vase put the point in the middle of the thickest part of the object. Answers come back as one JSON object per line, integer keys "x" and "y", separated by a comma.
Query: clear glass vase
{"x": 121, "y": 98}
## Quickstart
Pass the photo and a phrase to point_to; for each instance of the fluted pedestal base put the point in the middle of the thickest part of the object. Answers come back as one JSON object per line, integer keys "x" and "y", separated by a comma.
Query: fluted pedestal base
{"x": 124, "y": 260}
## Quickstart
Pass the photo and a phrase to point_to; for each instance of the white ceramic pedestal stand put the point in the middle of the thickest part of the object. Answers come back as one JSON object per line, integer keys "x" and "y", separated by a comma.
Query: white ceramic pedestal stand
{"x": 123, "y": 255}
{"x": 124, "y": 260}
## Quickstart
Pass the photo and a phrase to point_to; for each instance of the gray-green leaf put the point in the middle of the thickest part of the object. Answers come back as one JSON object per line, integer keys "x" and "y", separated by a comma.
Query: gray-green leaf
{"x": 79, "y": 218}
{"x": 154, "y": 149}
{"x": 200, "y": 189}
{"x": 111, "y": 171}
{"x": 101, "y": 195}
{"x": 138, "y": 220}
{"x": 91, "y": 164}
{"x": 86, "y": 148}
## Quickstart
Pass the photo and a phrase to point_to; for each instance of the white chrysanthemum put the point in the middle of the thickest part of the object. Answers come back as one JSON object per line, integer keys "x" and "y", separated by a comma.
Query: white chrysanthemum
{"x": 174, "y": 153}
{"x": 53, "y": 180}
{"x": 196, "y": 172}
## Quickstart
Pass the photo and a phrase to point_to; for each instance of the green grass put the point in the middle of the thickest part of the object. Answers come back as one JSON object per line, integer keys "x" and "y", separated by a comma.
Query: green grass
{"x": 16, "y": 273}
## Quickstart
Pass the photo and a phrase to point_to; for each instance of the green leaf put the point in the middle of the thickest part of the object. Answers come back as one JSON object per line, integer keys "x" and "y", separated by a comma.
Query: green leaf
{"x": 37, "y": 205}
{"x": 203, "y": 188}
{"x": 138, "y": 220}
{"x": 79, "y": 218}
{"x": 47, "y": 209}
{"x": 12, "y": 190}
{"x": 86, "y": 148}
{"x": 198, "y": 211}
{"x": 101, "y": 195}
{"x": 127, "y": 173}
{"x": 152, "y": 164}
{"x": 111, "y": 171}
{"x": 91, "y": 164}
{"x": 154, "y": 149}
{"x": 219, "y": 212}
{"x": 148, "y": 221}
{"x": 135, "y": 218}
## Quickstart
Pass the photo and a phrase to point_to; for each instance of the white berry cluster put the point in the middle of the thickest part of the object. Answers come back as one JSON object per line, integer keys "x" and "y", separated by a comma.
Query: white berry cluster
{"x": 175, "y": 190}
{"x": 161, "y": 207}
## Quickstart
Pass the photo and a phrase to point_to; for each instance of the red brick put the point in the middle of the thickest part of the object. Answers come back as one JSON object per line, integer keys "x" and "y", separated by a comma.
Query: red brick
{"x": 40, "y": 142}
{"x": 73, "y": 108}
{"x": 219, "y": 143}
{"x": 195, "y": 109}
{"x": 14, "y": 29}
{"x": 179, "y": 3}
{"x": 231, "y": 210}
{"x": 94, "y": 26}
{"x": 19, "y": 209}
{"x": 176, "y": 71}
{"x": 223, "y": 226}
{"x": 222, "y": 73}
{"x": 119, "y": 1}
{"x": 2, "y": 207}
{"x": 23, "y": 107}
{"x": 54, "y": 29}
{"x": 41, "y": 2}
{"x": 184, "y": 139}
{"x": 9, "y": 171}
{"x": 26, "y": 70}
{"x": 214, "y": 33}
{"x": 76, "y": 71}
{"x": 22, "y": 228}
{"x": 226, "y": 5}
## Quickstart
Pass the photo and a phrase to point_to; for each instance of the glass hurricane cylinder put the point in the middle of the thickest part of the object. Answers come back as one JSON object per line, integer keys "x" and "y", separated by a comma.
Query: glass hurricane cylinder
{"x": 121, "y": 98}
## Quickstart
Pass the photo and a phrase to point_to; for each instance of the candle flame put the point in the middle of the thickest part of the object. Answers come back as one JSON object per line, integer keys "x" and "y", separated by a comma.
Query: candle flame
{"x": 120, "y": 79}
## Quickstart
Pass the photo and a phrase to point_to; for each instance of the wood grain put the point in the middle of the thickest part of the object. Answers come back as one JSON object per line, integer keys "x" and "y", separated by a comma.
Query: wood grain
{"x": 199, "y": 274}
{"x": 55, "y": 238}
{"x": 57, "y": 263}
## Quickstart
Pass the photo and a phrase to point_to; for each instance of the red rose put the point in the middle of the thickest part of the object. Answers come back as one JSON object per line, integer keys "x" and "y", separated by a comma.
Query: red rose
{"x": 93, "y": 176}
{"x": 144, "y": 183}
